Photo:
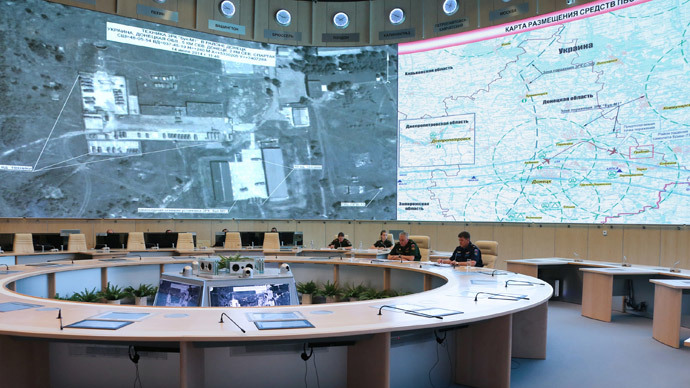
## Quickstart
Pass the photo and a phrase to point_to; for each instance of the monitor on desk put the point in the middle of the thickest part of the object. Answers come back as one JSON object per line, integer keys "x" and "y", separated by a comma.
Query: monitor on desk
{"x": 7, "y": 241}
{"x": 272, "y": 294}
{"x": 175, "y": 294}
{"x": 286, "y": 238}
{"x": 47, "y": 241}
{"x": 252, "y": 239}
{"x": 67, "y": 232}
{"x": 111, "y": 240}
{"x": 220, "y": 239}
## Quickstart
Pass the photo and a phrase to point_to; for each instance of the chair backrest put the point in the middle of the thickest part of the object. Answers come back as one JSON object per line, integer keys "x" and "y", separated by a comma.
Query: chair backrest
{"x": 347, "y": 237}
{"x": 232, "y": 240}
{"x": 185, "y": 241}
{"x": 135, "y": 241}
{"x": 76, "y": 242}
{"x": 423, "y": 243}
{"x": 23, "y": 243}
{"x": 389, "y": 237}
{"x": 271, "y": 241}
{"x": 489, "y": 251}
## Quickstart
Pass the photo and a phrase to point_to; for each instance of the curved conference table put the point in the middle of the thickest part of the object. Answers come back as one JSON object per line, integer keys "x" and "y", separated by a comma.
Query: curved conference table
{"x": 487, "y": 334}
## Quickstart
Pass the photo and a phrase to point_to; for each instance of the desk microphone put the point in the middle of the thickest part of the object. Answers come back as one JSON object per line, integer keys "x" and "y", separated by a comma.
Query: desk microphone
{"x": 60, "y": 317}
{"x": 577, "y": 258}
{"x": 673, "y": 269}
{"x": 231, "y": 320}
{"x": 625, "y": 262}
{"x": 523, "y": 283}
{"x": 411, "y": 312}
{"x": 503, "y": 296}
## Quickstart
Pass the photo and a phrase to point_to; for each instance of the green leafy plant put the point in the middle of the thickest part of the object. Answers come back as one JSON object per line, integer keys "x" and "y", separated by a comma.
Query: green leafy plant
{"x": 370, "y": 293}
{"x": 86, "y": 296}
{"x": 112, "y": 292}
{"x": 352, "y": 291}
{"x": 307, "y": 288}
{"x": 225, "y": 261}
{"x": 141, "y": 291}
{"x": 330, "y": 289}
{"x": 72, "y": 298}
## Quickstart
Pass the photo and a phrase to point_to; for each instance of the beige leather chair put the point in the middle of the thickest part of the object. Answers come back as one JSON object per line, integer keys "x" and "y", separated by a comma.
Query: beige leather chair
{"x": 135, "y": 241}
{"x": 389, "y": 237}
{"x": 335, "y": 237}
{"x": 232, "y": 240}
{"x": 489, "y": 251}
{"x": 23, "y": 243}
{"x": 185, "y": 241}
{"x": 271, "y": 241}
{"x": 423, "y": 242}
{"x": 76, "y": 242}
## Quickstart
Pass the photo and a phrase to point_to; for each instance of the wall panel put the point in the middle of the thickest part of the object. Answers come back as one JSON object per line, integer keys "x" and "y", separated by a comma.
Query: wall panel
{"x": 179, "y": 13}
{"x": 437, "y": 23}
{"x": 109, "y": 6}
{"x": 509, "y": 239}
{"x": 605, "y": 248}
{"x": 642, "y": 246}
{"x": 571, "y": 239}
{"x": 538, "y": 241}
{"x": 240, "y": 25}
{"x": 495, "y": 12}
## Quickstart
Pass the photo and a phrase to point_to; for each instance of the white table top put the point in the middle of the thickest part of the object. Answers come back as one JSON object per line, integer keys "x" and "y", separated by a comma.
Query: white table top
{"x": 330, "y": 320}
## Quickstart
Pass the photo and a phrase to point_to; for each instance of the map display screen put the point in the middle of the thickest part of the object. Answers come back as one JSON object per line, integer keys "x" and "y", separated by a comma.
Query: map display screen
{"x": 579, "y": 116}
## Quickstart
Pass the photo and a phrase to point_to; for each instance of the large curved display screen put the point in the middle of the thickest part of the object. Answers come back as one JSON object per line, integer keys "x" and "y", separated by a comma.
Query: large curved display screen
{"x": 578, "y": 116}
{"x": 104, "y": 116}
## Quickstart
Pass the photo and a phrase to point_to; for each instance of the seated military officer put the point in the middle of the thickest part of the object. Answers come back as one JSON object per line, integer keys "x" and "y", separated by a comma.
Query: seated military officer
{"x": 341, "y": 242}
{"x": 383, "y": 242}
{"x": 405, "y": 249}
{"x": 465, "y": 253}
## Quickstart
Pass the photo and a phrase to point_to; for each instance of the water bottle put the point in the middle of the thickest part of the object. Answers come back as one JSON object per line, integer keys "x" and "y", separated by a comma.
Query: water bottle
{"x": 311, "y": 244}
{"x": 360, "y": 245}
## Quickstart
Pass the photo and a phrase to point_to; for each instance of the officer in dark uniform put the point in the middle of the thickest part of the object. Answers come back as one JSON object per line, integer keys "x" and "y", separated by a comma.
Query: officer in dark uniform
{"x": 340, "y": 242}
{"x": 383, "y": 242}
{"x": 465, "y": 252}
{"x": 405, "y": 249}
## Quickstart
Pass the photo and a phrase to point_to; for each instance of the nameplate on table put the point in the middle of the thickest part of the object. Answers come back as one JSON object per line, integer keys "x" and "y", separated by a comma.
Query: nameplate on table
{"x": 163, "y": 14}
{"x": 226, "y": 27}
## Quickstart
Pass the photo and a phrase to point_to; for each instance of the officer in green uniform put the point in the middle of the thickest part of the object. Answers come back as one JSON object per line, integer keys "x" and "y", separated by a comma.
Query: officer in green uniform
{"x": 405, "y": 249}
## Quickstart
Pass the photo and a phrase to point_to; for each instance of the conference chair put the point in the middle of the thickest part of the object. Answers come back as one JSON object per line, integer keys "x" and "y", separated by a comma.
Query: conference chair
{"x": 135, "y": 241}
{"x": 185, "y": 241}
{"x": 23, "y": 243}
{"x": 271, "y": 241}
{"x": 335, "y": 237}
{"x": 232, "y": 240}
{"x": 76, "y": 242}
{"x": 389, "y": 237}
{"x": 489, "y": 251}
{"x": 423, "y": 243}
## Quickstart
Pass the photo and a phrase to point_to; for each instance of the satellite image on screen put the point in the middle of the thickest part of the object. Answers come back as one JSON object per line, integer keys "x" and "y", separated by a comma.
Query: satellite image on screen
{"x": 173, "y": 294}
{"x": 105, "y": 116}
{"x": 254, "y": 295}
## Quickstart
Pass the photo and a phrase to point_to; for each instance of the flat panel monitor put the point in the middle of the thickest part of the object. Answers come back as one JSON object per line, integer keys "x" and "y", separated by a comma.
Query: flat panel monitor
{"x": 286, "y": 238}
{"x": 160, "y": 240}
{"x": 48, "y": 241}
{"x": 252, "y": 239}
{"x": 7, "y": 241}
{"x": 271, "y": 294}
{"x": 111, "y": 240}
{"x": 175, "y": 294}
{"x": 220, "y": 239}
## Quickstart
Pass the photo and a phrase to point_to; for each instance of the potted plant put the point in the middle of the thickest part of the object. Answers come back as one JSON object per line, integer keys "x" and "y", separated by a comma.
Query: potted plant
{"x": 140, "y": 294}
{"x": 112, "y": 294}
{"x": 307, "y": 290}
{"x": 86, "y": 296}
{"x": 331, "y": 291}
{"x": 369, "y": 293}
{"x": 353, "y": 292}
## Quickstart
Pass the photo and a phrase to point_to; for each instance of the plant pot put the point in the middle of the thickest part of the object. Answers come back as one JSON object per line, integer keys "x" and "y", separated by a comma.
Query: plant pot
{"x": 141, "y": 300}
{"x": 306, "y": 298}
{"x": 331, "y": 299}
{"x": 115, "y": 301}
